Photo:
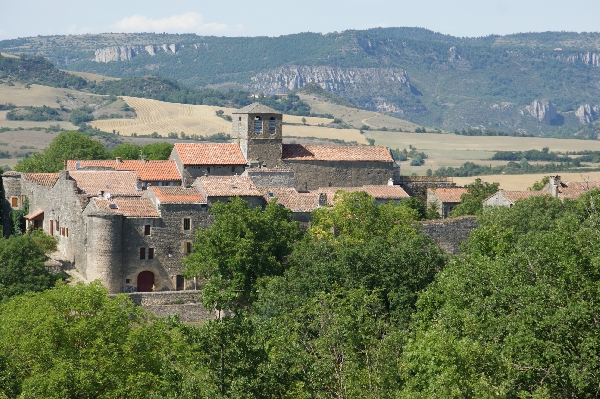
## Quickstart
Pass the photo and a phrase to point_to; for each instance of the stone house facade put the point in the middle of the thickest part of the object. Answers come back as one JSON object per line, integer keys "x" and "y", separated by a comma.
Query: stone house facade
{"x": 131, "y": 223}
{"x": 444, "y": 199}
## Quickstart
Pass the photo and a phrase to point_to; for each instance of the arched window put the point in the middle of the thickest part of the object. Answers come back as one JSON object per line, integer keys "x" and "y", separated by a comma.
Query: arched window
{"x": 272, "y": 125}
{"x": 258, "y": 125}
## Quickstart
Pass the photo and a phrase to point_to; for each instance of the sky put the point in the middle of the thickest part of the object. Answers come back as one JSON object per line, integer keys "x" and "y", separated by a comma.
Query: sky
{"x": 23, "y": 18}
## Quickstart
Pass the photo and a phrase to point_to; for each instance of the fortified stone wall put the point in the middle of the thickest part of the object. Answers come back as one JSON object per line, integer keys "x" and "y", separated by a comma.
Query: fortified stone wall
{"x": 167, "y": 238}
{"x": 418, "y": 188}
{"x": 310, "y": 175}
{"x": 105, "y": 249}
{"x": 449, "y": 234}
{"x": 186, "y": 304}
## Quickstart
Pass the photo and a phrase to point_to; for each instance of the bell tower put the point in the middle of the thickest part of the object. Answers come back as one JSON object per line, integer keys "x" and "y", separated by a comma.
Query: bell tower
{"x": 257, "y": 129}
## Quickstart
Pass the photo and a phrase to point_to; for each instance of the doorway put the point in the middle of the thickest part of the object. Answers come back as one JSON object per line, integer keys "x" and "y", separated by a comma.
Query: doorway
{"x": 145, "y": 281}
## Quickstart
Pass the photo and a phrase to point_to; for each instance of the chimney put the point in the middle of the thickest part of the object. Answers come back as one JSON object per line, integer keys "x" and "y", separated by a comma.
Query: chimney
{"x": 322, "y": 199}
{"x": 143, "y": 157}
{"x": 118, "y": 160}
{"x": 391, "y": 182}
{"x": 555, "y": 183}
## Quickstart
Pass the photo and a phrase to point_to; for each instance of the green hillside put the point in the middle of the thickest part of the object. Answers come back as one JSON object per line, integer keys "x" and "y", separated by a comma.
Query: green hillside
{"x": 449, "y": 82}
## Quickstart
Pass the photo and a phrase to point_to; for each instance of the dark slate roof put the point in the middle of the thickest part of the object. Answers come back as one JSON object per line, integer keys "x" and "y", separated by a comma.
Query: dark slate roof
{"x": 256, "y": 108}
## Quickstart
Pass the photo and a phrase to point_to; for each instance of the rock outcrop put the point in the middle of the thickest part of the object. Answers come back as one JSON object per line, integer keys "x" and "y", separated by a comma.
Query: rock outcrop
{"x": 126, "y": 53}
{"x": 587, "y": 113}
{"x": 543, "y": 110}
{"x": 591, "y": 59}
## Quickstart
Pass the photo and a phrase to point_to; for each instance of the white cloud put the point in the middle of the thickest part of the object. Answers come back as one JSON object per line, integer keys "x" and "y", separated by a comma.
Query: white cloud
{"x": 190, "y": 22}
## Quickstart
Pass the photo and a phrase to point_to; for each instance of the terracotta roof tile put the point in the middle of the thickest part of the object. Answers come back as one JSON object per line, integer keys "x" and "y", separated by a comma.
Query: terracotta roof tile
{"x": 377, "y": 192}
{"x": 291, "y": 199}
{"x": 146, "y": 170}
{"x": 124, "y": 183}
{"x": 513, "y": 196}
{"x": 129, "y": 207}
{"x": 33, "y": 215}
{"x": 210, "y": 154}
{"x": 452, "y": 194}
{"x": 178, "y": 195}
{"x": 574, "y": 190}
{"x": 227, "y": 186}
{"x": 42, "y": 179}
{"x": 305, "y": 152}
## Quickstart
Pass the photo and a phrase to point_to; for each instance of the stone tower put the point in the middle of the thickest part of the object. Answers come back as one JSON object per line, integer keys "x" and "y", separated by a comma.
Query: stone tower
{"x": 257, "y": 129}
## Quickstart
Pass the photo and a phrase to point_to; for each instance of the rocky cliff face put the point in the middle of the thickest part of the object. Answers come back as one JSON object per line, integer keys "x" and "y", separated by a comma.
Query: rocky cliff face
{"x": 587, "y": 113}
{"x": 590, "y": 59}
{"x": 125, "y": 53}
{"x": 543, "y": 110}
{"x": 352, "y": 83}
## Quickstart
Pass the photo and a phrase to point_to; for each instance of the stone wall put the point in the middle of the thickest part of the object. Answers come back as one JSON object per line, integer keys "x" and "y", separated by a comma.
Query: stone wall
{"x": 186, "y": 304}
{"x": 449, "y": 234}
{"x": 417, "y": 186}
{"x": 310, "y": 175}
{"x": 12, "y": 189}
{"x": 270, "y": 177}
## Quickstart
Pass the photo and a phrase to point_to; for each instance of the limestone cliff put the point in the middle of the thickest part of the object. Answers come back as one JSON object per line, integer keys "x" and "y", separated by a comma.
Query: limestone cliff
{"x": 125, "y": 53}
{"x": 543, "y": 110}
{"x": 591, "y": 59}
{"x": 587, "y": 113}
{"x": 351, "y": 83}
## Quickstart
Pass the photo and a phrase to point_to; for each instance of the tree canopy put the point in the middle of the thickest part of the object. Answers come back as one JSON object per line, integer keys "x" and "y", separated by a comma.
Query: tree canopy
{"x": 471, "y": 203}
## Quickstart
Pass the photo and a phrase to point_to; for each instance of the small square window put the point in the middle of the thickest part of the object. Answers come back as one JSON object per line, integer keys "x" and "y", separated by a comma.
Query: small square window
{"x": 127, "y": 281}
{"x": 187, "y": 224}
{"x": 147, "y": 230}
{"x": 142, "y": 253}
{"x": 14, "y": 202}
{"x": 150, "y": 253}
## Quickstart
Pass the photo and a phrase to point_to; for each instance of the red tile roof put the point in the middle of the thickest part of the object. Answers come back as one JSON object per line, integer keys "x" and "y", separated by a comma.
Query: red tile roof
{"x": 129, "y": 207}
{"x": 112, "y": 182}
{"x": 42, "y": 179}
{"x": 306, "y": 152}
{"x": 33, "y": 215}
{"x": 377, "y": 192}
{"x": 291, "y": 199}
{"x": 178, "y": 195}
{"x": 146, "y": 170}
{"x": 513, "y": 196}
{"x": 447, "y": 195}
{"x": 227, "y": 186}
{"x": 210, "y": 154}
{"x": 574, "y": 190}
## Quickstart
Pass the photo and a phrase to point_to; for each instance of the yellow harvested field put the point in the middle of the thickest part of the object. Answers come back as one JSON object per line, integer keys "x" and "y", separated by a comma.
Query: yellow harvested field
{"x": 38, "y": 96}
{"x": 90, "y": 76}
{"x": 357, "y": 117}
{"x": 431, "y": 141}
{"x": 164, "y": 118}
{"x": 522, "y": 182}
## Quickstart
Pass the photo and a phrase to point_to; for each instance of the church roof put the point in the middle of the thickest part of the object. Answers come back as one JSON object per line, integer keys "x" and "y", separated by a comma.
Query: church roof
{"x": 256, "y": 108}
{"x": 306, "y": 152}
{"x": 210, "y": 154}
{"x": 146, "y": 170}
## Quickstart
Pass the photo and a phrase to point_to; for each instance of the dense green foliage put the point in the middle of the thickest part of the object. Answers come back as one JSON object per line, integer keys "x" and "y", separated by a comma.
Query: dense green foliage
{"x": 81, "y": 115}
{"x": 511, "y": 168}
{"x": 471, "y": 202}
{"x": 67, "y": 145}
{"x": 360, "y": 306}
{"x": 43, "y": 113}
{"x": 153, "y": 152}
{"x": 22, "y": 264}
{"x": 531, "y": 155}
{"x": 37, "y": 70}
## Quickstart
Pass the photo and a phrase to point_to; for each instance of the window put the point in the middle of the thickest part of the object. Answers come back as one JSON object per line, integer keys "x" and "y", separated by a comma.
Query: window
{"x": 187, "y": 248}
{"x": 272, "y": 125}
{"x": 150, "y": 253}
{"x": 233, "y": 169}
{"x": 171, "y": 183}
{"x": 147, "y": 230}
{"x": 66, "y": 231}
{"x": 23, "y": 198}
{"x": 160, "y": 184}
{"x": 258, "y": 125}
{"x": 127, "y": 281}
{"x": 14, "y": 202}
{"x": 179, "y": 282}
{"x": 142, "y": 253}
{"x": 240, "y": 119}
{"x": 187, "y": 224}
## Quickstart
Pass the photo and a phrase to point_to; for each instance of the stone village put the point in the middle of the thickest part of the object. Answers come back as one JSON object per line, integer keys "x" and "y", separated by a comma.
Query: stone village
{"x": 129, "y": 223}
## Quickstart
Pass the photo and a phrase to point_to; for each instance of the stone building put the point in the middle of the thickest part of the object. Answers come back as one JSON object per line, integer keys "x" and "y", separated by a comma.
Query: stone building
{"x": 131, "y": 223}
{"x": 508, "y": 198}
{"x": 444, "y": 199}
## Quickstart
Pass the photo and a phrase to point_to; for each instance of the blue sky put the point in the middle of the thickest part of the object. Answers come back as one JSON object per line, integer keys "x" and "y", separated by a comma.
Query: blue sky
{"x": 24, "y": 18}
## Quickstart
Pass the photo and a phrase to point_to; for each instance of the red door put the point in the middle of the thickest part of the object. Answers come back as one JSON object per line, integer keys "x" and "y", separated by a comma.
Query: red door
{"x": 145, "y": 281}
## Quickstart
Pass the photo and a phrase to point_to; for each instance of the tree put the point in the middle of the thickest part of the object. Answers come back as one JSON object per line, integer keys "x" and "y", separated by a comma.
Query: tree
{"x": 67, "y": 145}
{"x": 22, "y": 266}
{"x": 539, "y": 185}
{"x": 127, "y": 151}
{"x": 471, "y": 203}
{"x": 242, "y": 245}
{"x": 79, "y": 342}
{"x": 158, "y": 151}
{"x": 515, "y": 316}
